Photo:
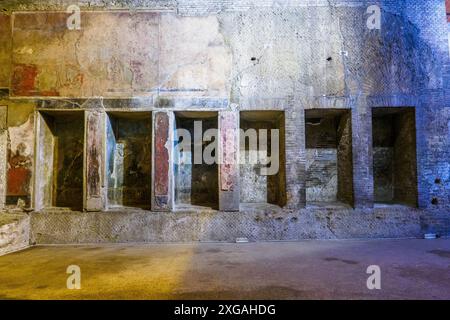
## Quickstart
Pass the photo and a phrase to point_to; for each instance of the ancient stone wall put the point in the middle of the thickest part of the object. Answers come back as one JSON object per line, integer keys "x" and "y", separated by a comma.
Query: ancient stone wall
{"x": 14, "y": 232}
{"x": 162, "y": 57}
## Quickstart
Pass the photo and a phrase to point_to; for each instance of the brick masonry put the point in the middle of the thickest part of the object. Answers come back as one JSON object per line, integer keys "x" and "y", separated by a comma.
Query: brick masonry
{"x": 229, "y": 56}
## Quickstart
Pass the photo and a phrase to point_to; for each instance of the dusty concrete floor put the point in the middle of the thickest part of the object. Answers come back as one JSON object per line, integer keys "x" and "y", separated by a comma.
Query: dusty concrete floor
{"x": 300, "y": 270}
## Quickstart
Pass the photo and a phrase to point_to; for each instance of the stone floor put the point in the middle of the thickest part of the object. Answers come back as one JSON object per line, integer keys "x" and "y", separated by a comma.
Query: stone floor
{"x": 290, "y": 270}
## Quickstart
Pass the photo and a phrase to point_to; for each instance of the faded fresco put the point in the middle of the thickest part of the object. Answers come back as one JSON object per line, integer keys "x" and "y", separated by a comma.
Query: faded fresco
{"x": 89, "y": 118}
{"x": 20, "y": 154}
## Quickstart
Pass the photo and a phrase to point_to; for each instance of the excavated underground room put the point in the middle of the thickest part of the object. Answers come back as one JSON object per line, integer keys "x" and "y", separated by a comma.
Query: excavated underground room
{"x": 224, "y": 149}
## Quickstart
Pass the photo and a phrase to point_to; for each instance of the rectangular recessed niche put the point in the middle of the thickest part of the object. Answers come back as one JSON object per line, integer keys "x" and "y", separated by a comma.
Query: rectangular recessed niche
{"x": 61, "y": 158}
{"x": 329, "y": 162}
{"x": 129, "y": 159}
{"x": 262, "y": 159}
{"x": 394, "y": 156}
{"x": 196, "y": 180}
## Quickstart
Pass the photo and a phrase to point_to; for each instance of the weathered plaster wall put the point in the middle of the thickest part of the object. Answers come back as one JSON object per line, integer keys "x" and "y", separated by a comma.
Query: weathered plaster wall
{"x": 5, "y": 50}
{"x": 241, "y": 55}
{"x": 14, "y": 232}
{"x": 256, "y": 187}
{"x": 20, "y": 153}
{"x": 322, "y": 177}
{"x": 328, "y": 156}
{"x": 118, "y": 55}
{"x": 299, "y": 58}
{"x": 321, "y": 159}
{"x": 3, "y": 154}
{"x": 51, "y": 60}
{"x": 31, "y": 5}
